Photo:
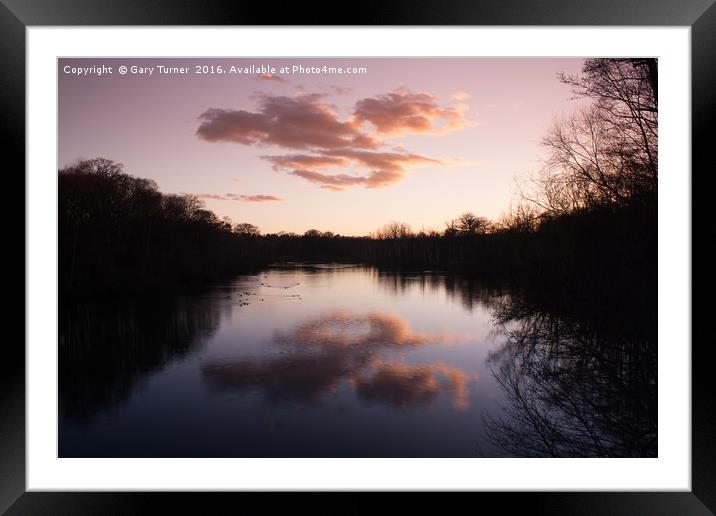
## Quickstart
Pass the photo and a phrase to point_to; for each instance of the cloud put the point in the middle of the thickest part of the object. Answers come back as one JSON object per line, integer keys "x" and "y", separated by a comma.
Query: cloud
{"x": 387, "y": 168}
{"x": 300, "y": 122}
{"x": 340, "y": 90}
{"x": 260, "y": 198}
{"x": 384, "y": 161}
{"x": 270, "y": 77}
{"x": 218, "y": 197}
{"x": 461, "y": 95}
{"x": 337, "y": 182}
{"x": 305, "y": 162}
{"x": 328, "y": 144}
{"x": 402, "y": 112}
{"x": 235, "y": 197}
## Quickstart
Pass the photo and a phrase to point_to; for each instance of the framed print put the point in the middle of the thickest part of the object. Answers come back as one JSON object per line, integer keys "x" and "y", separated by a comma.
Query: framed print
{"x": 450, "y": 252}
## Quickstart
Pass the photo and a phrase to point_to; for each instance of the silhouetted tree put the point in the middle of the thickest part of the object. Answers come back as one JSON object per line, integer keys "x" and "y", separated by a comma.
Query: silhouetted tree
{"x": 523, "y": 218}
{"x": 246, "y": 229}
{"x": 470, "y": 224}
{"x": 606, "y": 153}
{"x": 394, "y": 230}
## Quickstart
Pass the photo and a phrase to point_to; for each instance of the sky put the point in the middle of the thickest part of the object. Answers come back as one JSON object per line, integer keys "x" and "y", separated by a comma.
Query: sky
{"x": 289, "y": 145}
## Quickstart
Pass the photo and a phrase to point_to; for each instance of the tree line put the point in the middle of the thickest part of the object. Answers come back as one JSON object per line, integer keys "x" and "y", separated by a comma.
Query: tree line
{"x": 119, "y": 232}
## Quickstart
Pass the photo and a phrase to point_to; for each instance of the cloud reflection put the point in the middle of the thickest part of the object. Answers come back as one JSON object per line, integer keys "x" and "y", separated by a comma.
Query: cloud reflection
{"x": 402, "y": 385}
{"x": 316, "y": 357}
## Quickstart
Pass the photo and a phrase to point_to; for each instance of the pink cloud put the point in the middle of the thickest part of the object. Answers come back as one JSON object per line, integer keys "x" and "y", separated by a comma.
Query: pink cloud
{"x": 403, "y": 112}
{"x": 301, "y": 122}
{"x": 305, "y": 162}
{"x": 387, "y": 167}
{"x": 460, "y": 95}
{"x": 382, "y": 160}
{"x": 236, "y": 197}
{"x": 340, "y": 90}
{"x": 270, "y": 77}
{"x": 260, "y": 198}
{"x": 336, "y": 182}
{"x": 306, "y": 123}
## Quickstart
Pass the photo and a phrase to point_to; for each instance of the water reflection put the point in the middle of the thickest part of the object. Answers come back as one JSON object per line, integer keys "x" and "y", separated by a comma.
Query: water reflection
{"x": 107, "y": 347}
{"x": 352, "y": 362}
{"x": 468, "y": 291}
{"x": 343, "y": 346}
{"x": 571, "y": 390}
{"x": 401, "y": 385}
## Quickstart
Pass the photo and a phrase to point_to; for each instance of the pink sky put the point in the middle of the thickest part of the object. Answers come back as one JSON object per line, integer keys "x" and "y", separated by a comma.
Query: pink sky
{"x": 414, "y": 140}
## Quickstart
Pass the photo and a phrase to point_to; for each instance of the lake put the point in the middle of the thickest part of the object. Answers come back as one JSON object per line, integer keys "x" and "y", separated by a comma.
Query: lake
{"x": 348, "y": 361}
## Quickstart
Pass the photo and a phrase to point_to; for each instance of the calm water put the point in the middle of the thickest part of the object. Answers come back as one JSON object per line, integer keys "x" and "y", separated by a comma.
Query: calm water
{"x": 321, "y": 361}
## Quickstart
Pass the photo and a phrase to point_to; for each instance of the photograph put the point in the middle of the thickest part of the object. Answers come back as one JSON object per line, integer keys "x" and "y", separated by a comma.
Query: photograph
{"x": 362, "y": 257}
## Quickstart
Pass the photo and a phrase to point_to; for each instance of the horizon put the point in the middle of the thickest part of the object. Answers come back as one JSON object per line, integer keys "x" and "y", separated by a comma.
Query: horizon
{"x": 412, "y": 140}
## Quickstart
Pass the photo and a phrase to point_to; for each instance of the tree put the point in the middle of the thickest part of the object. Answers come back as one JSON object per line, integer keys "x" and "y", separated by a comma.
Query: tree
{"x": 606, "y": 153}
{"x": 470, "y": 224}
{"x": 246, "y": 229}
{"x": 182, "y": 206}
{"x": 312, "y": 233}
{"x": 226, "y": 223}
{"x": 451, "y": 228}
{"x": 394, "y": 230}
{"x": 523, "y": 218}
{"x": 96, "y": 166}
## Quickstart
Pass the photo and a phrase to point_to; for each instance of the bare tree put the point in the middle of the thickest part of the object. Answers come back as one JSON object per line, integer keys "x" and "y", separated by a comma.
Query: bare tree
{"x": 394, "y": 230}
{"x": 523, "y": 218}
{"x": 469, "y": 223}
{"x": 604, "y": 154}
{"x": 98, "y": 166}
{"x": 451, "y": 228}
{"x": 246, "y": 229}
{"x": 184, "y": 206}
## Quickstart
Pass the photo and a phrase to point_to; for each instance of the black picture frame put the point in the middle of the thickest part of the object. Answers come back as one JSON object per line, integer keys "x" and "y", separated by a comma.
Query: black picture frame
{"x": 17, "y": 15}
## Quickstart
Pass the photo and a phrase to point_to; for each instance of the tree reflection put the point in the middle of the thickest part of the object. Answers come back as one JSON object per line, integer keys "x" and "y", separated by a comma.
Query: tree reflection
{"x": 469, "y": 291}
{"x": 571, "y": 389}
{"x": 107, "y": 347}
